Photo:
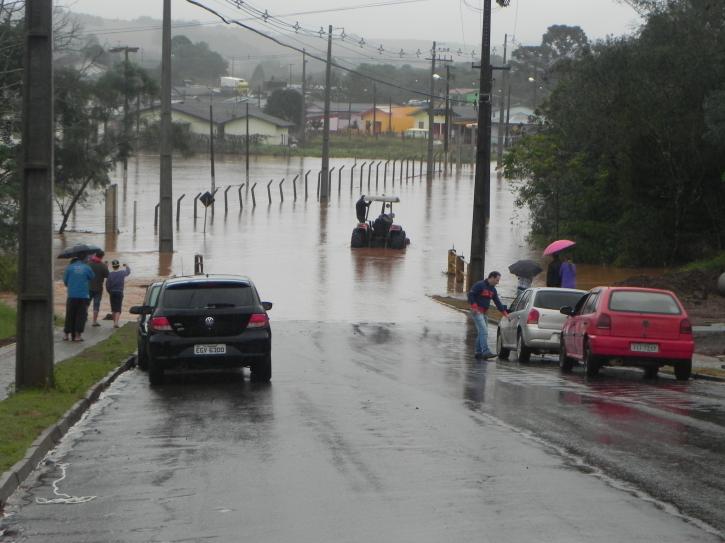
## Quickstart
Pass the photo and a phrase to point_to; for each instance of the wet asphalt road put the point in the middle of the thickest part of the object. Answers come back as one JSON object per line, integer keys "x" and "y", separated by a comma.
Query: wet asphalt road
{"x": 387, "y": 432}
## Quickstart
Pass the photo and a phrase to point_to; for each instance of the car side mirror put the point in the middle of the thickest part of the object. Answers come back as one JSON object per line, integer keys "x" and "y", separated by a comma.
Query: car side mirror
{"x": 567, "y": 310}
{"x": 141, "y": 310}
{"x": 267, "y": 305}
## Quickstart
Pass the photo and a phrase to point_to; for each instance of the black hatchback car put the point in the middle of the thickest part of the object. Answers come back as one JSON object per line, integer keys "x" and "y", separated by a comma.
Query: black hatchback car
{"x": 208, "y": 321}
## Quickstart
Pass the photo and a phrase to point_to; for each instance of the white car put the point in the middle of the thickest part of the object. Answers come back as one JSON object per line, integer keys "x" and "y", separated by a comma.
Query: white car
{"x": 534, "y": 322}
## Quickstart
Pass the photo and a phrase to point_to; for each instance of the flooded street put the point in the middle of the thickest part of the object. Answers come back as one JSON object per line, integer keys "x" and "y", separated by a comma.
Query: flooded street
{"x": 379, "y": 424}
{"x": 298, "y": 252}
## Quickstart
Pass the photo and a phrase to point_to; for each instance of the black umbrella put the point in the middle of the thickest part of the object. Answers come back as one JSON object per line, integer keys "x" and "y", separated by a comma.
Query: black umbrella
{"x": 80, "y": 250}
{"x": 525, "y": 268}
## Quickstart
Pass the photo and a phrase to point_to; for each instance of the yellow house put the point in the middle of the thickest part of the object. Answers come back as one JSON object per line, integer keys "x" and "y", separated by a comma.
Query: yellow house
{"x": 420, "y": 120}
{"x": 398, "y": 122}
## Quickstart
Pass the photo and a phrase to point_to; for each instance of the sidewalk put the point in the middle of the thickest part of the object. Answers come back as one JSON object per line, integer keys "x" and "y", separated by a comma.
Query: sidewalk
{"x": 62, "y": 350}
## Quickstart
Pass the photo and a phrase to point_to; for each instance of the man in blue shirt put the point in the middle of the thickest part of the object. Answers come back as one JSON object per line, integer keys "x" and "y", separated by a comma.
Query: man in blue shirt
{"x": 480, "y": 297}
{"x": 77, "y": 278}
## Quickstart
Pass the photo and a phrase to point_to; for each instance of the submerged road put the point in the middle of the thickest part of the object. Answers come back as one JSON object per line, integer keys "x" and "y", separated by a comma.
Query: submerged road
{"x": 386, "y": 432}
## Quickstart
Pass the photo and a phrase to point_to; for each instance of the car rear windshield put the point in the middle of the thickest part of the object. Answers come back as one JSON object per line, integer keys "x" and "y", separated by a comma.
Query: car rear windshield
{"x": 556, "y": 299}
{"x": 643, "y": 302}
{"x": 216, "y": 294}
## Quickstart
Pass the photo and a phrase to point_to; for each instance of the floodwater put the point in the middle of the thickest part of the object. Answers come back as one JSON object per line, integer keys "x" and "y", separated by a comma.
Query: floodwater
{"x": 298, "y": 251}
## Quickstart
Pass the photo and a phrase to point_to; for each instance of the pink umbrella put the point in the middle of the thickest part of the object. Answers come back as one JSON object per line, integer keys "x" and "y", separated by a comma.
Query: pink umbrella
{"x": 558, "y": 246}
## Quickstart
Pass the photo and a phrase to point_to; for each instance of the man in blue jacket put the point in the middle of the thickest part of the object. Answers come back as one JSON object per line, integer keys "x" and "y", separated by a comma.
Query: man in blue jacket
{"x": 77, "y": 278}
{"x": 480, "y": 297}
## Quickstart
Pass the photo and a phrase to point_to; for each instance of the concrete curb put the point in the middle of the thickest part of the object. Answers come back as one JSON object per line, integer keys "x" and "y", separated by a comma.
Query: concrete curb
{"x": 14, "y": 477}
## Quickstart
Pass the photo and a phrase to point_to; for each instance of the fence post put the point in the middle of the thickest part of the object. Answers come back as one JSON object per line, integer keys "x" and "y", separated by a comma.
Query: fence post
{"x": 308, "y": 173}
{"x": 281, "y": 194}
{"x": 178, "y": 207}
{"x": 370, "y": 169}
{"x": 385, "y": 175}
{"x": 239, "y": 191}
{"x": 198, "y": 264}
{"x": 134, "y": 216}
{"x": 377, "y": 171}
{"x": 269, "y": 191}
{"x": 254, "y": 200}
{"x": 407, "y": 167}
{"x": 352, "y": 175}
{"x": 226, "y": 201}
{"x": 319, "y": 175}
{"x": 362, "y": 170}
{"x": 156, "y": 215}
{"x": 339, "y": 178}
{"x": 420, "y": 170}
{"x": 294, "y": 186}
{"x": 329, "y": 181}
{"x": 196, "y": 198}
{"x": 393, "y": 176}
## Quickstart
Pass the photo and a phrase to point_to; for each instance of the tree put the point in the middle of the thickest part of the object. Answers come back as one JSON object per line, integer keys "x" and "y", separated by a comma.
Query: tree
{"x": 285, "y": 104}
{"x": 257, "y": 79}
{"x": 195, "y": 62}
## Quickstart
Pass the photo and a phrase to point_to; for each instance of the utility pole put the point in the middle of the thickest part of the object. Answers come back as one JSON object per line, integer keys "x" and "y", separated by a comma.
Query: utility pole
{"x": 390, "y": 114}
{"x": 504, "y": 83}
{"x": 448, "y": 118}
{"x": 211, "y": 144}
{"x": 34, "y": 352}
{"x": 126, "y": 125}
{"x": 482, "y": 187}
{"x": 166, "y": 227}
{"x": 429, "y": 166}
{"x": 303, "y": 113}
{"x": 246, "y": 146}
{"x": 324, "y": 175}
{"x": 375, "y": 110}
{"x": 349, "y": 115}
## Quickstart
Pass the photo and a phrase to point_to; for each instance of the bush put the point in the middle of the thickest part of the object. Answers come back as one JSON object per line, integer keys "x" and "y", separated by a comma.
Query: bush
{"x": 8, "y": 272}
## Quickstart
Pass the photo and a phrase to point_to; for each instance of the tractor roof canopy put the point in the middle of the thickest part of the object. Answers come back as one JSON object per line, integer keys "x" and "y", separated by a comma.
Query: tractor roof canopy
{"x": 387, "y": 199}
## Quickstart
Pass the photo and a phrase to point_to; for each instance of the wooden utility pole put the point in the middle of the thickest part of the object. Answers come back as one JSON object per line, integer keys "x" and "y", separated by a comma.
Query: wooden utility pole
{"x": 303, "y": 113}
{"x": 166, "y": 230}
{"x": 431, "y": 116}
{"x": 324, "y": 175}
{"x": 34, "y": 351}
{"x": 349, "y": 115}
{"x": 375, "y": 110}
{"x": 504, "y": 84}
{"x": 448, "y": 118}
{"x": 211, "y": 148}
{"x": 390, "y": 115}
{"x": 126, "y": 125}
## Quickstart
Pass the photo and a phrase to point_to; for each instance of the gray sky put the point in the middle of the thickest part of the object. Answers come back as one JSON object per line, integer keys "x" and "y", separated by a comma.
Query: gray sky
{"x": 441, "y": 20}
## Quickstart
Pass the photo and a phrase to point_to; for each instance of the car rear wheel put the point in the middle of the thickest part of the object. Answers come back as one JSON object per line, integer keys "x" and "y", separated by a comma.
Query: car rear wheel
{"x": 683, "y": 370}
{"x": 142, "y": 360}
{"x": 156, "y": 372}
{"x": 565, "y": 363}
{"x": 501, "y": 351}
{"x": 522, "y": 351}
{"x": 397, "y": 240}
{"x": 591, "y": 364}
{"x": 262, "y": 370}
{"x": 358, "y": 239}
{"x": 651, "y": 372}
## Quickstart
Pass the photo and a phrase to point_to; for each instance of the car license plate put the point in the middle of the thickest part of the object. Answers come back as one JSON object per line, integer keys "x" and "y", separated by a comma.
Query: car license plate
{"x": 217, "y": 348}
{"x": 645, "y": 348}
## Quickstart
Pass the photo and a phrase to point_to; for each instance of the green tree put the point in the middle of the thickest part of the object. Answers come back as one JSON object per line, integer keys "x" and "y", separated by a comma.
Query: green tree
{"x": 195, "y": 62}
{"x": 285, "y": 104}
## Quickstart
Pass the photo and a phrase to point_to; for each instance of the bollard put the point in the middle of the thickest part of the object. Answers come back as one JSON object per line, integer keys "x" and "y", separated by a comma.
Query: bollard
{"x": 451, "y": 262}
{"x": 269, "y": 191}
{"x": 226, "y": 201}
{"x": 134, "y": 216}
{"x": 281, "y": 194}
{"x": 362, "y": 169}
{"x": 196, "y": 198}
{"x": 254, "y": 200}
{"x": 460, "y": 269}
{"x": 156, "y": 215}
{"x": 178, "y": 207}
{"x": 294, "y": 187}
{"x": 198, "y": 264}
{"x": 339, "y": 178}
{"x": 241, "y": 205}
{"x": 385, "y": 175}
{"x": 308, "y": 173}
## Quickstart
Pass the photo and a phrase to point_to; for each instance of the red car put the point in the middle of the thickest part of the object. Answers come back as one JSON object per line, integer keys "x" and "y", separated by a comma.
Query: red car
{"x": 626, "y": 326}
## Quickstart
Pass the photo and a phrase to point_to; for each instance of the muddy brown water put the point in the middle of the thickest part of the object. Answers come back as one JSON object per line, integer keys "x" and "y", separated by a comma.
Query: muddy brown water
{"x": 297, "y": 251}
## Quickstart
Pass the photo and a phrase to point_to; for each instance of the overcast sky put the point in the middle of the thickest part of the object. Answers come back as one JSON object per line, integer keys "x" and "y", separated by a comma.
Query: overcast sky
{"x": 443, "y": 20}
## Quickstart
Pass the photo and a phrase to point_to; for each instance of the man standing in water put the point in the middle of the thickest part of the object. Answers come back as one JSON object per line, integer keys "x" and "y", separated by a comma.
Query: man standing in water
{"x": 480, "y": 297}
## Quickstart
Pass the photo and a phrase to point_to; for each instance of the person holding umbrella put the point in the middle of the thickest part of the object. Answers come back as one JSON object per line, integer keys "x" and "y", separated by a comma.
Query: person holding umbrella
{"x": 553, "y": 274}
{"x": 525, "y": 271}
{"x": 77, "y": 279}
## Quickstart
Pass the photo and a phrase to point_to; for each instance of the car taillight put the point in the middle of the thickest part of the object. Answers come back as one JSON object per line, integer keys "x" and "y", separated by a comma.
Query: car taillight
{"x": 685, "y": 327}
{"x": 258, "y": 320}
{"x": 604, "y": 321}
{"x": 533, "y": 317}
{"x": 160, "y": 324}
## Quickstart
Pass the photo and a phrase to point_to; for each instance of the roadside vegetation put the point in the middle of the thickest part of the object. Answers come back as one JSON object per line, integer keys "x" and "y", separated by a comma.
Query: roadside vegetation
{"x": 26, "y": 414}
{"x": 8, "y": 317}
{"x": 629, "y": 158}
